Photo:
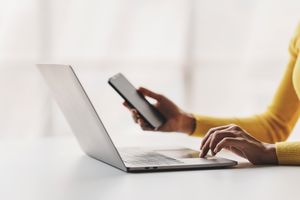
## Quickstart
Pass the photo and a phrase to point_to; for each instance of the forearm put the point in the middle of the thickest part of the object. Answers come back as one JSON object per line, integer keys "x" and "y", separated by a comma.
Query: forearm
{"x": 263, "y": 127}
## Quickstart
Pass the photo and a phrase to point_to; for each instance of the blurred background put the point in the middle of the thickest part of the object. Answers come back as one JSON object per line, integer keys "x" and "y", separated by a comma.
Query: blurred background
{"x": 222, "y": 58}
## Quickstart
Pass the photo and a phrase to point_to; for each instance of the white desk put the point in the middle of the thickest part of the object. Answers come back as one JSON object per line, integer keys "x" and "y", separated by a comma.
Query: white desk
{"x": 55, "y": 168}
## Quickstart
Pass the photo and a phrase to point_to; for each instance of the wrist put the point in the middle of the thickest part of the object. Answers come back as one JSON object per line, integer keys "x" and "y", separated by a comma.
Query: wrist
{"x": 271, "y": 156}
{"x": 187, "y": 123}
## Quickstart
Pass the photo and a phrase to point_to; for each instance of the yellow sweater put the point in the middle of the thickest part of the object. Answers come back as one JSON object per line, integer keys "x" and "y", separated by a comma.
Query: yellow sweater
{"x": 277, "y": 122}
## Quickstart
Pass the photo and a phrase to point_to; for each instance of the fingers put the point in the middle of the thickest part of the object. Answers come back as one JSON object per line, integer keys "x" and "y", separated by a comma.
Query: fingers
{"x": 126, "y": 104}
{"x": 137, "y": 118}
{"x": 211, "y": 131}
{"x": 237, "y": 143}
{"x": 149, "y": 93}
{"x": 144, "y": 125}
{"x": 237, "y": 140}
{"x": 217, "y": 137}
{"x": 213, "y": 140}
{"x": 135, "y": 115}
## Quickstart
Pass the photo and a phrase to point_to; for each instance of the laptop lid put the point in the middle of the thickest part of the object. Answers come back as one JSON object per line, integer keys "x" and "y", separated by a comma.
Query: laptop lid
{"x": 80, "y": 114}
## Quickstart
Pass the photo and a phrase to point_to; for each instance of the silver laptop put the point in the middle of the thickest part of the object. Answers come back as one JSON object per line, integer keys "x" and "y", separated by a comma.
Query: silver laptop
{"x": 95, "y": 140}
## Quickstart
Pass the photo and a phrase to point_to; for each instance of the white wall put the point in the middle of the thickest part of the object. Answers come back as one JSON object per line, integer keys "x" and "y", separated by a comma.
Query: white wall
{"x": 212, "y": 57}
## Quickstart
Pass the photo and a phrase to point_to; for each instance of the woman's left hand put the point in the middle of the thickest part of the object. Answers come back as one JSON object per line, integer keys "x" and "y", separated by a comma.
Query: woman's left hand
{"x": 238, "y": 141}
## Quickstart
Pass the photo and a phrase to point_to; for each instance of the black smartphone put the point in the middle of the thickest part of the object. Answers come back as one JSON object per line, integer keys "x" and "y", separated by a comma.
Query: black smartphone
{"x": 136, "y": 100}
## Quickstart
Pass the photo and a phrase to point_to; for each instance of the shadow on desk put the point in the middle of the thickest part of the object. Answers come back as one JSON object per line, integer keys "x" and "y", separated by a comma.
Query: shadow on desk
{"x": 248, "y": 165}
{"x": 87, "y": 168}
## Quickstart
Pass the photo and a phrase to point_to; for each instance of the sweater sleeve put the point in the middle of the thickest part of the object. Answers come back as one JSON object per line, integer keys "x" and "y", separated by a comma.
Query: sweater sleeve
{"x": 288, "y": 153}
{"x": 273, "y": 125}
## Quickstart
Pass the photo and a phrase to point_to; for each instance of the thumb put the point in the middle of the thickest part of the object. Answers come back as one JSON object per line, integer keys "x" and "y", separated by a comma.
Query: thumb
{"x": 149, "y": 93}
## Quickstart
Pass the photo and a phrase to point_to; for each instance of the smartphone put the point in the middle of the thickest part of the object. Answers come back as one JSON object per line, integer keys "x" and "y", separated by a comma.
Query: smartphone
{"x": 136, "y": 100}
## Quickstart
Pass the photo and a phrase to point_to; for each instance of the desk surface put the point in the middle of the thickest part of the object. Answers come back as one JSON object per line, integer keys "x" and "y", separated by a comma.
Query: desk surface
{"x": 55, "y": 168}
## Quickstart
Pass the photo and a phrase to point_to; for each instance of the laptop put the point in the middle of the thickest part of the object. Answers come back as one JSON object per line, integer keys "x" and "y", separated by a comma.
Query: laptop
{"x": 95, "y": 141}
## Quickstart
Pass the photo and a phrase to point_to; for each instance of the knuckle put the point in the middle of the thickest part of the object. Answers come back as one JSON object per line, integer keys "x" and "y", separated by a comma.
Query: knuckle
{"x": 217, "y": 133}
{"x": 160, "y": 96}
{"x": 240, "y": 133}
{"x": 210, "y": 131}
{"x": 241, "y": 139}
{"x": 214, "y": 136}
{"x": 214, "y": 129}
{"x": 231, "y": 125}
{"x": 234, "y": 126}
{"x": 226, "y": 140}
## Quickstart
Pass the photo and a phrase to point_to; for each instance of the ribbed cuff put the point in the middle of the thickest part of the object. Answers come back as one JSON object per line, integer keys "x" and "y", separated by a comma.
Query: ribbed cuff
{"x": 197, "y": 129}
{"x": 288, "y": 153}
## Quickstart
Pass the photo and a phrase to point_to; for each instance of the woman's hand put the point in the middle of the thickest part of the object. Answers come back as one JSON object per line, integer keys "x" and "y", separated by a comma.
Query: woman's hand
{"x": 238, "y": 141}
{"x": 176, "y": 119}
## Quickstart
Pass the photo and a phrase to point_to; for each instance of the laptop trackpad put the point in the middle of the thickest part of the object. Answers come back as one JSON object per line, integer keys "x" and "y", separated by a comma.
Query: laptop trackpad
{"x": 181, "y": 153}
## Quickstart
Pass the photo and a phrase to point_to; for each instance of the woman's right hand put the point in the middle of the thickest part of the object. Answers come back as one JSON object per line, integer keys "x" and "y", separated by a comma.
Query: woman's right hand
{"x": 176, "y": 119}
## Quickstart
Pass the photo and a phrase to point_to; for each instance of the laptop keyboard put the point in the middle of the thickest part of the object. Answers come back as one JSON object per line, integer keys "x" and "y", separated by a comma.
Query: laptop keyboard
{"x": 148, "y": 158}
